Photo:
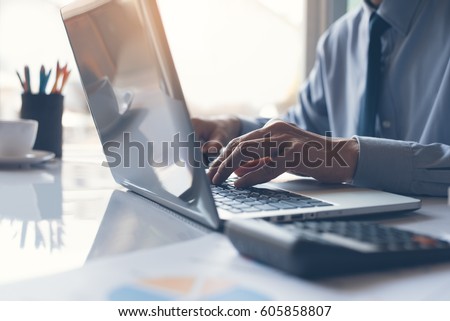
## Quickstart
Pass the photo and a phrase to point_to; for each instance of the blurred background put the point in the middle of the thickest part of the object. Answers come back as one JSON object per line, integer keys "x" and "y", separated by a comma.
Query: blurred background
{"x": 235, "y": 56}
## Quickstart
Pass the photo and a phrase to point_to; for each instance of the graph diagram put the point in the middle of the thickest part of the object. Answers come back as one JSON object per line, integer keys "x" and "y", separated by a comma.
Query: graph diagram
{"x": 185, "y": 288}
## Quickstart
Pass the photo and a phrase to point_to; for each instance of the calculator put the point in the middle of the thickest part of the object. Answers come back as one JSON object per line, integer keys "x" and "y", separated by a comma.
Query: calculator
{"x": 327, "y": 248}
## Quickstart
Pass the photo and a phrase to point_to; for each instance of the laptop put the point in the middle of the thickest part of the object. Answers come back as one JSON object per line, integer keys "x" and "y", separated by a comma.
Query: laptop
{"x": 137, "y": 103}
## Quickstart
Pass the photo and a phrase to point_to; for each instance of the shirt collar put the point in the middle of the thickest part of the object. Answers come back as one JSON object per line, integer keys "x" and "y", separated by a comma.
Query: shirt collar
{"x": 398, "y": 13}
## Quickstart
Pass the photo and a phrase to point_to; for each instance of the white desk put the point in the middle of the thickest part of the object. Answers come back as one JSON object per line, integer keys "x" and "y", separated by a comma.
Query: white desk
{"x": 55, "y": 217}
{"x": 61, "y": 215}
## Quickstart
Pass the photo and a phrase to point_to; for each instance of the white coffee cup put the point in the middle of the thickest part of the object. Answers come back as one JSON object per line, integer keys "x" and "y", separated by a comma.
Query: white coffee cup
{"x": 17, "y": 137}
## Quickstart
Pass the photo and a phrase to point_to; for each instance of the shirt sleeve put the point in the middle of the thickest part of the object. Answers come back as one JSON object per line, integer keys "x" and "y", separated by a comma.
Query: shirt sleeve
{"x": 403, "y": 167}
{"x": 249, "y": 124}
{"x": 311, "y": 111}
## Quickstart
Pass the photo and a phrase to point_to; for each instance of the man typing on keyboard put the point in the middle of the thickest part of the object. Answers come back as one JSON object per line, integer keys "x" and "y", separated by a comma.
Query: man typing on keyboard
{"x": 382, "y": 81}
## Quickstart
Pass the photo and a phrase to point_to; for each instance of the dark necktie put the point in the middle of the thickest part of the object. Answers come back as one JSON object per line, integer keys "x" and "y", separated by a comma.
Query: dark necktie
{"x": 366, "y": 125}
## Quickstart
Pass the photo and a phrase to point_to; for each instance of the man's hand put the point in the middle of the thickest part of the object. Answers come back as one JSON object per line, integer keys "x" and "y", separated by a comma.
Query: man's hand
{"x": 279, "y": 147}
{"x": 216, "y": 132}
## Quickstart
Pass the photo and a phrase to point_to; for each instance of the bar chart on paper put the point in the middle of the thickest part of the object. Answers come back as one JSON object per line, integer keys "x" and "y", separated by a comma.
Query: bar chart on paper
{"x": 184, "y": 288}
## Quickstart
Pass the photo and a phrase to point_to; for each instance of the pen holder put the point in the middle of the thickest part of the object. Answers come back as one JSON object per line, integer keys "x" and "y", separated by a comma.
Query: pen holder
{"x": 47, "y": 110}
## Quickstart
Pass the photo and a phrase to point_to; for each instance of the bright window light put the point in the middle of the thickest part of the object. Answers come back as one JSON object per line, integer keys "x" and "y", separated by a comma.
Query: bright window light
{"x": 233, "y": 55}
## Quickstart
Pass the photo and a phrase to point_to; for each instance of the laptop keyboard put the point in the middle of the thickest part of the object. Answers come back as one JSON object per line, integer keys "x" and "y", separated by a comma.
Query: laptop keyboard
{"x": 254, "y": 199}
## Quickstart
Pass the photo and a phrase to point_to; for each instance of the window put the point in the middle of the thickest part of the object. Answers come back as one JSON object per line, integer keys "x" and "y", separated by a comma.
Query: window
{"x": 233, "y": 56}
{"x": 236, "y": 56}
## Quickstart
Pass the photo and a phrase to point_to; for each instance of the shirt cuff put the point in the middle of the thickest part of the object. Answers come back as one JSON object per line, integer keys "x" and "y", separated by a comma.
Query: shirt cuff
{"x": 384, "y": 164}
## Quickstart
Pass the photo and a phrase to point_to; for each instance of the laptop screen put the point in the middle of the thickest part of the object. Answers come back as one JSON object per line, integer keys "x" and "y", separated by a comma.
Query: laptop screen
{"x": 137, "y": 104}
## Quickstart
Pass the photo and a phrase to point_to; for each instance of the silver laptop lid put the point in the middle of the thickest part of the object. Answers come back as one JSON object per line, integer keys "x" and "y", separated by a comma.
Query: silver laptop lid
{"x": 136, "y": 100}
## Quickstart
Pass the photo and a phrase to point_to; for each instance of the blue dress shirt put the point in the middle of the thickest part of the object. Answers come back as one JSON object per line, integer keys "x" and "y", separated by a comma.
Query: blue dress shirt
{"x": 411, "y": 153}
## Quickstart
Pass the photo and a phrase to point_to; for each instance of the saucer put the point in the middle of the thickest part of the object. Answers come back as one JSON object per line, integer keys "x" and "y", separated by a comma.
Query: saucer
{"x": 33, "y": 157}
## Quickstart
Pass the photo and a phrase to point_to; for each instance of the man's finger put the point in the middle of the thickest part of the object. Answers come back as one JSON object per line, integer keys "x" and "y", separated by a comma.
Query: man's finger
{"x": 250, "y": 166}
{"x": 269, "y": 171}
{"x": 224, "y": 155}
{"x": 212, "y": 147}
{"x": 243, "y": 152}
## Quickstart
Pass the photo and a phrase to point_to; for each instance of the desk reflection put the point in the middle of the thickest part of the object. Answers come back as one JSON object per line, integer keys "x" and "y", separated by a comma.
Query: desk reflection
{"x": 132, "y": 222}
{"x": 31, "y": 207}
